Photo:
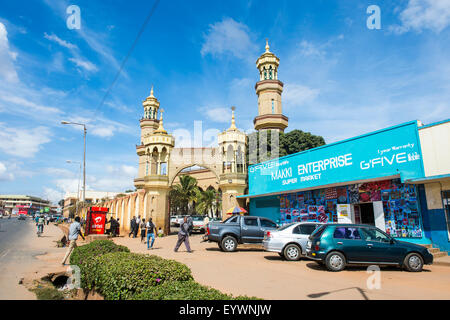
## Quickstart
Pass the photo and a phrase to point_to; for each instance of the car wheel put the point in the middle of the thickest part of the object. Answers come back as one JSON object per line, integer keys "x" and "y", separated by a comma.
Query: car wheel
{"x": 229, "y": 244}
{"x": 281, "y": 254}
{"x": 220, "y": 246}
{"x": 335, "y": 261}
{"x": 292, "y": 252}
{"x": 413, "y": 262}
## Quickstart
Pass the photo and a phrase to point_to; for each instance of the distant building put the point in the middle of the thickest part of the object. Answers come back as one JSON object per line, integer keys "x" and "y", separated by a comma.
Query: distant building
{"x": 14, "y": 203}
{"x": 92, "y": 197}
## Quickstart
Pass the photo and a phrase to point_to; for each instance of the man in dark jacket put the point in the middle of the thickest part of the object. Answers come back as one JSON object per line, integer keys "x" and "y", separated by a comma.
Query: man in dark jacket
{"x": 183, "y": 236}
{"x": 132, "y": 227}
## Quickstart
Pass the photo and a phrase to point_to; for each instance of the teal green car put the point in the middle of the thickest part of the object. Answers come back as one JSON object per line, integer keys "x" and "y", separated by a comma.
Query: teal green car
{"x": 338, "y": 245}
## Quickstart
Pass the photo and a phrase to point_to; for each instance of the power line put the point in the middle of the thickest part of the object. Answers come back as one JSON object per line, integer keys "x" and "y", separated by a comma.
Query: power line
{"x": 141, "y": 30}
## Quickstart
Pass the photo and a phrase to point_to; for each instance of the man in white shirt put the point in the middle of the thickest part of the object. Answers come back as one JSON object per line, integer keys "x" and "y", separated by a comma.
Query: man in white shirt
{"x": 74, "y": 231}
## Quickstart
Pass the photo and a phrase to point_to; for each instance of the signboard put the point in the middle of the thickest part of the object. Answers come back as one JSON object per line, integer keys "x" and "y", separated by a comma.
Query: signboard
{"x": 384, "y": 153}
{"x": 344, "y": 213}
{"x": 97, "y": 223}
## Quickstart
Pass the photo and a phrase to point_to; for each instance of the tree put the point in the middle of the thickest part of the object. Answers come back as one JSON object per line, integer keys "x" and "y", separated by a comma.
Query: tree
{"x": 206, "y": 201}
{"x": 185, "y": 192}
{"x": 288, "y": 143}
{"x": 297, "y": 141}
{"x": 61, "y": 203}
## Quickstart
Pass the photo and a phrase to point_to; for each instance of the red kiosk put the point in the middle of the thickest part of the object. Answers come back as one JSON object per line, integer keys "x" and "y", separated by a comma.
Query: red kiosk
{"x": 95, "y": 220}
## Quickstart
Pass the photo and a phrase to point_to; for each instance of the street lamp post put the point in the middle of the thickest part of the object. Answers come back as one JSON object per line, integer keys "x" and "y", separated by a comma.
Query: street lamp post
{"x": 84, "y": 156}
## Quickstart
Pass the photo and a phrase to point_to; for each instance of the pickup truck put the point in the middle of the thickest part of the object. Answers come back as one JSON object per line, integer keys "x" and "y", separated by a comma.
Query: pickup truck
{"x": 238, "y": 230}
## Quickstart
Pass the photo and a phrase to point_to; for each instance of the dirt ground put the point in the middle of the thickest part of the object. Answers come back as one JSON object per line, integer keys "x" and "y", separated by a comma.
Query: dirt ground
{"x": 254, "y": 272}
{"x": 249, "y": 271}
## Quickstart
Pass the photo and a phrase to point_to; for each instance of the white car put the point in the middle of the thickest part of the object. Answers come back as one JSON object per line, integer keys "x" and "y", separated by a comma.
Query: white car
{"x": 290, "y": 240}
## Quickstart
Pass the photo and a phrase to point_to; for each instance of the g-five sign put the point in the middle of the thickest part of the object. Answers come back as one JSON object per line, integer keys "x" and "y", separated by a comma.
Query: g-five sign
{"x": 387, "y": 152}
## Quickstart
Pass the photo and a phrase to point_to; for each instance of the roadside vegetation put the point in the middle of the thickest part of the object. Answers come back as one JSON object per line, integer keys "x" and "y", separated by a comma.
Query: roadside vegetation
{"x": 117, "y": 274}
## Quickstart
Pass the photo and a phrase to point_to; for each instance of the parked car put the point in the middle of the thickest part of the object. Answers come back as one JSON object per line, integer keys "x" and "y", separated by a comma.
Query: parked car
{"x": 174, "y": 221}
{"x": 238, "y": 230}
{"x": 290, "y": 240}
{"x": 337, "y": 245}
{"x": 198, "y": 224}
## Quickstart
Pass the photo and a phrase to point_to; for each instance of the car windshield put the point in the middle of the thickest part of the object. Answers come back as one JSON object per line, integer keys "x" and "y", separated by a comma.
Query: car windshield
{"x": 197, "y": 218}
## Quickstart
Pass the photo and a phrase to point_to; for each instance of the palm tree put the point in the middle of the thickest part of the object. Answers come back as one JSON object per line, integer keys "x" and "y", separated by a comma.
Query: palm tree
{"x": 206, "y": 201}
{"x": 185, "y": 192}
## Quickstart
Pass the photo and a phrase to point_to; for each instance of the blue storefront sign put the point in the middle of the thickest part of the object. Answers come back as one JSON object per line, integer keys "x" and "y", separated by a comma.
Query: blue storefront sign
{"x": 389, "y": 152}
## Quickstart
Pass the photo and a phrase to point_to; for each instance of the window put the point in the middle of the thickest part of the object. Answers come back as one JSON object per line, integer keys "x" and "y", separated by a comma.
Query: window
{"x": 231, "y": 220}
{"x": 347, "y": 233}
{"x": 371, "y": 234}
{"x": 251, "y": 221}
{"x": 267, "y": 223}
{"x": 318, "y": 232}
{"x": 304, "y": 229}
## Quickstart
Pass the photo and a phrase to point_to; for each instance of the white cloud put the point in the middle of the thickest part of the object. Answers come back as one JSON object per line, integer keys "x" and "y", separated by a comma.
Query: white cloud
{"x": 59, "y": 41}
{"x": 86, "y": 65}
{"x": 220, "y": 114}
{"x": 309, "y": 49}
{"x": 29, "y": 104}
{"x": 23, "y": 142}
{"x": 424, "y": 14}
{"x": 5, "y": 175}
{"x": 229, "y": 37}
{"x": 297, "y": 95}
{"x": 7, "y": 58}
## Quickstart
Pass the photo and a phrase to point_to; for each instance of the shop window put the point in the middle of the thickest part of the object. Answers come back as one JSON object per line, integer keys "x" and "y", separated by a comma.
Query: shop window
{"x": 347, "y": 233}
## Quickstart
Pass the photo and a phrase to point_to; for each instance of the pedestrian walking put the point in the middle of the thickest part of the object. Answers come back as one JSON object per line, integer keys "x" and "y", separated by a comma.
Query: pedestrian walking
{"x": 136, "y": 229}
{"x": 151, "y": 228}
{"x": 143, "y": 228}
{"x": 47, "y": 219}
{"x": 117, "y": 229}
{"x": 190, "y": 224}
{"x": 183, "y": 236}
{"x": 74, "y": 231}
{"x": 132, "y": 226}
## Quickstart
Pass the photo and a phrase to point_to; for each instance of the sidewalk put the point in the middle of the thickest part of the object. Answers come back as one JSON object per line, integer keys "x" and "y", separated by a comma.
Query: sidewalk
{"x": 31, "y": 258}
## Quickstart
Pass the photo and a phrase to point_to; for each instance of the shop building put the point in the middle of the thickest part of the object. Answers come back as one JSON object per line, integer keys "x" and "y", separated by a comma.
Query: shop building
{"x": 377, "y": 178}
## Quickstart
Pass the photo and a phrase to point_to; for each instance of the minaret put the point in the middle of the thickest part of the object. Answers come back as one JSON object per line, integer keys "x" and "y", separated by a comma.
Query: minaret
{"x": 269, "y": 89}
{"x": 149, "y": 122}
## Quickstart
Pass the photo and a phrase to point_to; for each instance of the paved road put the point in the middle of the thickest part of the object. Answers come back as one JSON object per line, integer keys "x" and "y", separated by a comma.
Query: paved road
{"x": 19, "y": 247}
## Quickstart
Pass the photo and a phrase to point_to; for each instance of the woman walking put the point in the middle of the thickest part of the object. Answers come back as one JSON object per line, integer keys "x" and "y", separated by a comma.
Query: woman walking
{"x": 143, "y": 228}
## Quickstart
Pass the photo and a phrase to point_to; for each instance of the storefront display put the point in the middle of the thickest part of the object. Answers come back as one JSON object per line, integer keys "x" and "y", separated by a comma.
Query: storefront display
{"x": 400, "y": 207}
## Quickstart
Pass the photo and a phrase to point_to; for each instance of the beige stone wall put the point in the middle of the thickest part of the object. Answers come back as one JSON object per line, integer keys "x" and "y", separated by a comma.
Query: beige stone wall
{"x": 433, "y": 194}
{"x": 435, "y": 145}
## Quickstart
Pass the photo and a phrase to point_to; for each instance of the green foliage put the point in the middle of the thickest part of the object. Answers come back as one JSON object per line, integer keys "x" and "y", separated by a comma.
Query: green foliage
{"x": 48, "y": 293}
{"x": 121, "y": 275}
{"x": 184, "y": 193}
{"x": 206, "y": 201}
{"x": 84, "y": 257}
{"x": 184, "y": 290}
{"x": 288, "y": 143}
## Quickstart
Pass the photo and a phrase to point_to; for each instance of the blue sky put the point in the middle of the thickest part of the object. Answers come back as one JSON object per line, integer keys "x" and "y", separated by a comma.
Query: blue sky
{"x": 340, "y": 78}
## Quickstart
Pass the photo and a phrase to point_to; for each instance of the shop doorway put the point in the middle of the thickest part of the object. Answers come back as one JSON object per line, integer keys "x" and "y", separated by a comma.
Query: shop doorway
{"x": 367, "y": 214}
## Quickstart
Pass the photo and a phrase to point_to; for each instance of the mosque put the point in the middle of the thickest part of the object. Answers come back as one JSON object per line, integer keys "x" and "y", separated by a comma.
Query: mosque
{"x": 222, "y": 168}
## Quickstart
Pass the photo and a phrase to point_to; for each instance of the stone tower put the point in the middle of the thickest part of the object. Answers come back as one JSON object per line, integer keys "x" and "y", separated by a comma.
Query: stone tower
{"x": 269, "y": 89}
{"x": 153, "y": 173}
{"x": 232, "y": 180}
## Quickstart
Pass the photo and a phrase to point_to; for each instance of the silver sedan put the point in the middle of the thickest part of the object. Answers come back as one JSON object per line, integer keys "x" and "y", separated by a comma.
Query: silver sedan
{"x": 290, "y": 240}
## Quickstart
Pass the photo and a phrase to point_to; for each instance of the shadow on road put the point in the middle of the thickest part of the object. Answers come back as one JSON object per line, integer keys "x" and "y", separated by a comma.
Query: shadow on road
{"x": 321, "y": 294}
{"x": 316, "y": 266}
